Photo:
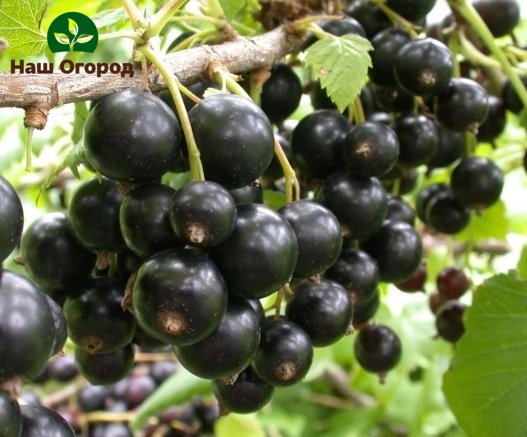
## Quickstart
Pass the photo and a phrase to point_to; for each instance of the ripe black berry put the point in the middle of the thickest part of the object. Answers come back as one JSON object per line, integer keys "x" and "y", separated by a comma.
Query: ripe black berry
{"x": 281, "y": 93}
{"x": 449, "y": 320}
{"x": 418, "y": 139}
{"x": 452, "y": 282}
{"x": 10, "y": 416}
{"x": 377, "y": 348}
{"x": 445, "y": 214}
{"x": 39, "y": 421}
{"x": 11, "y": 219}
{"x": 105, "y": 368}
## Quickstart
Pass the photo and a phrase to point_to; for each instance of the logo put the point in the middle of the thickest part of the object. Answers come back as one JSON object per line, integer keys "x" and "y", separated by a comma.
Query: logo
{"x": 72, "y": 32}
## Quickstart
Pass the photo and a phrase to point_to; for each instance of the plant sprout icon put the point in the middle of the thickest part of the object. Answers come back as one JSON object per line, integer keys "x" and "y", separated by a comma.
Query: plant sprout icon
{"x": 72, "y": 37}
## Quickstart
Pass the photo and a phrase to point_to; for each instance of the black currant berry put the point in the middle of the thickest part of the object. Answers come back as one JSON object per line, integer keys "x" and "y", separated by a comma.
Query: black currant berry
{"x": 476, "y": 182}
{"x": 94, "y": 215}
{"x": 511, "y": 99}
{"x": 26, "y": 327}
{"x": 96, "y": 320}
{"x": 423, "y": 67}
{"x": 357, "y": 272}
{"x": 464, "y": 105}
{"x": 385, "y": 45}
{"x": 179, "y": 296}
{"x": 92, "y": 397}
{"x": 324, "y": 310}
{"x": 203, "y": 213}
{"x": 146, "y": 341}
{"x": 365, "y": 310}
{"x": 449, "y": 320}
{"x": 399, "y": 210}
{"x": 359, "y": 203}
{"x": 252, "y": 193}
{"x": 39, "y": 421}
{"x": 234, "y": 137}
{"x": 418, "y": 139}
{"x": 400, "y": 180}
{"x": 445, "y": 214}
{"x": 161, "y": 370}
{"x": 436, "y": 300}
{"x": 317, "y": 143}
{"x": 452, "y": 282}
{"x": 260, "y": 255}
{"x": 138, "y": 389}
{"x": 371, "y": 18}
{"x": 318, "y": 234}
{"x": 412, "y": 10}
{"x": 450, "y": 147}
{"x": 392, "y": 99}
{"x": 10, "y": 417}
{"x": 281, "y": 93}
{"x": 495, "y": 122}
{"x": 285, "y": 353}
{"x": 229, "y": 349}
{"x": 59, "y": 324}
{"x": 132, "y": 136}
{"x": 53, "y": 257}
{"x": 144, "y": 219}
{"x": 414, "y": 283}
{"x": 343, "y": 26}
{"x": 377, "y": 348}
{"x": 370, "y": 149}
{"x": 63, "y": 368}
{"x": 425, "y": 196}
{"x": 105, "y": 368}
{"x": 500, "y": 16}
{"x": 246, "y": 395}
{"x": 11, "y": 219}
{"x": 397, "y": 248}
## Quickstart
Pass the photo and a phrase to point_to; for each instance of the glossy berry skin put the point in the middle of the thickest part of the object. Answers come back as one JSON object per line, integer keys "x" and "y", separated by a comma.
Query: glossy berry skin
{"x": 317, "y": 142}
{"x": 285, "y": 353}
{"x": 203, "y": 213}
{"x": 357, "y": 272}
{"x": 60, "y": 332}
{"x": 385, "y": 45}
{"x": 463, "y": 105}
{"x": 399, "y": 210}
{"x": 414, "y": 283}
{"x": 260, "y": 255}
{"x": 476, "y": 182}
{"x": 377, "y": 348}
{"x": 425, "y": 196}
{"x": 405, "y": 177}
{"x": 323, "y": 310}
{"x": 179, "y": 296}
{"x": 359, "y": 203}
{"x": 411, "y": 9}
{"x": 11, "y": 219}
{"x": 452, "y": 282}
{"x": 281, "y": 93}
{"x": 38, "y": 421}
{"x": 343, "y": 26}
{"x": 247, "y": 395}
{"x": 144, "y": 219}
{"x": 449, "y": 321}
{"x": 96, "y": 320}
{"x": 371, "y": 18}
{"x": 235, "y": 139}
{"x": 423, "y": 67}
{"x": 418, "y": 139}
{"x": 318, "y": 234}
{"x": 397, "y": 248}
{"x": 501, "y": 17}
{"x": 229, "y": 349}
{"x": 26, "y": 324}
{"x": 252, "y": 193}
{"x": 105, "y": 368}
{"x": 445, "y": 214}
{"x": 94, "y": 215}
{"x": 370, "y": 149}
{"x": 132, "y": 136}
{"x": 495, "y": 122}
{"x": 450, "y": 147}
{"x": 53, "y": 257}
{"x": 510, "y": 97}
{"x": 364, "y": 311}
{"x": 392, "y": 99}
{"x": 10, "y": 417}
{"x": 92, "y": 397}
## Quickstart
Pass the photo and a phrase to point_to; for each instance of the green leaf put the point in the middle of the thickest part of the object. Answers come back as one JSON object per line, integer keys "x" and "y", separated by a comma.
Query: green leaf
{"x": 237, "y": 425}
{"x": 491, "y": 223}
{"x": 178, "y": 389}
{"x": 20, "y": 27}
{"x": 79, "y": 119}
{"x": 274, "y": 199}
{"x": 522, "y": 264}
{"x": 62, "y": 38}
{"x": 242, "y": 12}
{"x": 341, "y": 64}
{"x": 73, "y": 27}
{"x": 486, "y": 385}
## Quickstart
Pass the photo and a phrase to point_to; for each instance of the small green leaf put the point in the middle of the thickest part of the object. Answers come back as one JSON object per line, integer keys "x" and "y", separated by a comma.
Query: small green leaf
{"x": 79, "y": 119}
{"x": 237, "y": 425}
{"x": 341, "y": 64}
{"x": 84, "y": 38}
{"x": 486, "y": 386}
{"x": 73, "y": 27}
{"x": 522, "y": 264}
{"x": 242, "y": 12}
{"x": 178, "y": 389}
{"x": 62, "y": 38}
{"x": 274, "y": 199}
{"x": 20, "y": 27}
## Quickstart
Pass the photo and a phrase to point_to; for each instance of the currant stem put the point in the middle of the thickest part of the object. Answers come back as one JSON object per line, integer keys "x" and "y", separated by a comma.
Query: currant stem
{"x": 29, "y": 149}
{"x": 396, "y": 18}
{"x": 358, "y": 111}
{"x": 163, "y": 16}
{"x": 292, "y": 187}
{"x": 196, "y": 168}
{"x": 471, "y": 16}
{"x": 133, "y": 13}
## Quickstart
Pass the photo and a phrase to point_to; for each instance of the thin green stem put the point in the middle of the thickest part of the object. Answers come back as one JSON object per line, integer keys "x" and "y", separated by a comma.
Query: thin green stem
{"x": 215, "y": 9}
{"x": 358, "y": 111}
{"x": 196, "y": 168}
{"x": 120, "y": 34}
{"x": 292, "y": 187}
{"x": 134, "y": 14}
{"x": 225, "y": 77}
{"x": 395, "y": 18}
{"x": 217, "y": 22}
{"x": 29, "y": 148}
{"x": 465, "y": 9}
{"x": 453, "y": 45}
{"x": 163, "y": 16}
{"x": 470, "y": 52}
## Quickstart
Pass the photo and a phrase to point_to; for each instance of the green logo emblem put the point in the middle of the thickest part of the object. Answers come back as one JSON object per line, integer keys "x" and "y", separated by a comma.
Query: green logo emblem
{"x": 72, "y": 32}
